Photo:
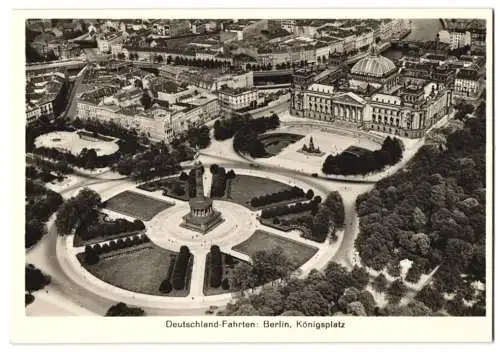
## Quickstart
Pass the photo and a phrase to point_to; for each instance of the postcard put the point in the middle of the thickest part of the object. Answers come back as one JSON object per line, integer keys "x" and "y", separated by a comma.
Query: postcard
{"x": 255, "y": 175}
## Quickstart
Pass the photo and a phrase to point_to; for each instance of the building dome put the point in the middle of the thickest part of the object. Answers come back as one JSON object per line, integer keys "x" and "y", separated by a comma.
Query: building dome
{"x": 374, "y": 66}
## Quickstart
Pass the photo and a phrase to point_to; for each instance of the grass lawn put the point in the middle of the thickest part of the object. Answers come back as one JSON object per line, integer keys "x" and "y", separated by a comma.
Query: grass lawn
{"x": 261, "y": 240}
{"x": 226, "y": 273}
{"x": 139, "y": 269}
{"x": 136, "y": 205}
{"x": 245, "y": 187}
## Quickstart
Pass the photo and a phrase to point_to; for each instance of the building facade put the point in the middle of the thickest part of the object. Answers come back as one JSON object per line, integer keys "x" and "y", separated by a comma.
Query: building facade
{"x": 236, "y": 99}
{"x": 376, "y": 97}
{"x": 467, "y": 83}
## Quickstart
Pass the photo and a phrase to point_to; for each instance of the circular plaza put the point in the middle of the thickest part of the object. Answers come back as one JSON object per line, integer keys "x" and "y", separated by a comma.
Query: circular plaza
{"x": 138, "y": 264}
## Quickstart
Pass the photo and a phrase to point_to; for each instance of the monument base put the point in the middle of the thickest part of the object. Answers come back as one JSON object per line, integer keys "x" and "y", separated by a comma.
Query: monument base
{"x": 202, "y": 224}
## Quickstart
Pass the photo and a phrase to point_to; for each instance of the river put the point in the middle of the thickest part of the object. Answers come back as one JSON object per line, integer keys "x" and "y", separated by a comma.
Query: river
{"x": 422, "y": 30}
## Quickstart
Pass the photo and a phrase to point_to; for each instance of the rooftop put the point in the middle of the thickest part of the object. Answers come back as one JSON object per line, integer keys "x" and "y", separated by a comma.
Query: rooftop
{"x": 235, "y": 91}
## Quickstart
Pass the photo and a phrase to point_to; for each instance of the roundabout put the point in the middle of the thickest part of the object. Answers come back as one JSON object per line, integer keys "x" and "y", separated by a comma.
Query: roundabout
{"x": 165, "y": 229}
{"x": 238, "y": 235}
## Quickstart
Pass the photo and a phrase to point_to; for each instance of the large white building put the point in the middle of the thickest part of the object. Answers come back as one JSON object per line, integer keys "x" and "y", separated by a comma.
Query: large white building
{"x": 163, "y": 121}
{"x": 236, "y": 99}
{"x": 374, "y": 98}
{"x": 467, "y": 82}
{"x": 456, "y": 39}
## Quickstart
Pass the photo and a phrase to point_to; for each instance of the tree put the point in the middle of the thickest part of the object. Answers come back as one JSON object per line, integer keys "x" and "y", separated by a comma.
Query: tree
{"x": 366, "y": 298}
{"x": 380, "y": 283}
{"x": 180, "y": 268}
{"x": 269, "y": 299}
{"x": 310, "y": 194}
{"x": 321, "y": 224}
{"x": 338, "y": 277}
{"x": 91, "y": 257}
{"x": 309, "y": 302}
{"x": 242, "y": 277}
{"x": 34, "y": 278}
{"x": 396, "y": 291}
{"x": 230, "y": 176}
{"x": 349, "y": 295}
{"x": 77, "y": 210}
{"x": 122, "y": 310}
{"x": 165, "y": 286}
{"x": 431, "y": 297}
{"x": 214, "y": 168}
{"x": 215, "y": 267}
{"x": 394, "y": 268}
{"x": 356, "y": 309}
{"x": 335, "y": 204}
{"x": 360, "y": 277}
{"x": 28, "y": 299}
{"x": 34, "y": 231}
{"x": 414, "y": 273}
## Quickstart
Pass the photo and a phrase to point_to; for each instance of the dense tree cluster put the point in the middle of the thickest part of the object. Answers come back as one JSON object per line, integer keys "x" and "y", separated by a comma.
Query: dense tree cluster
{"x": 92, "y": 253}
{"x": 188, "y": 61}
{"x": 462, "y": 110}
{"x": 198, "y": 137}
{"x": 266, "y": 266}
{"x": 219, "y": 181}
{"x": 432, "y": 213}
{"x": 335, "y": 290}
{"x": 348, "y": 163}
{"x": 247, "y": 140}
{"x": 40, "y": 204}
{"x": 34, "y": 278}
{"x": 246, "y": 132}
{"x": 87, "y": 158}
{"x": 226, "y": 128}
{"x": 323, "y": 220}
{"x": 286, "y": 194}
{"x": 122, "y": 310}
{"x": 92, "y": 227}
{"x": 180, "y": 269}
{"x": 46, "y": 170}
{"x": 76, "y": 210}
{"x": 156, "y": 161}
{"x": 215, "y": 267}
{"x": 286, "y": 209}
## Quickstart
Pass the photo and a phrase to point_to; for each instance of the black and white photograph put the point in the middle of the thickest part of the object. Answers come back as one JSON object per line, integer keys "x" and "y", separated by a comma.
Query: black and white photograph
{"x": 271, "y": 168}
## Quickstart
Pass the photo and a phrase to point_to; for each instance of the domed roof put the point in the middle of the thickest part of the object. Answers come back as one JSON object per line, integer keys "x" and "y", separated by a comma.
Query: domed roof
{"x": 373, "y": 66}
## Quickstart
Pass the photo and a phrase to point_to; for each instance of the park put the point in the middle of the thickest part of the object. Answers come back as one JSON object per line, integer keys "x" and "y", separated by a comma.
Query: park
{"x": 196, "y": 238}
